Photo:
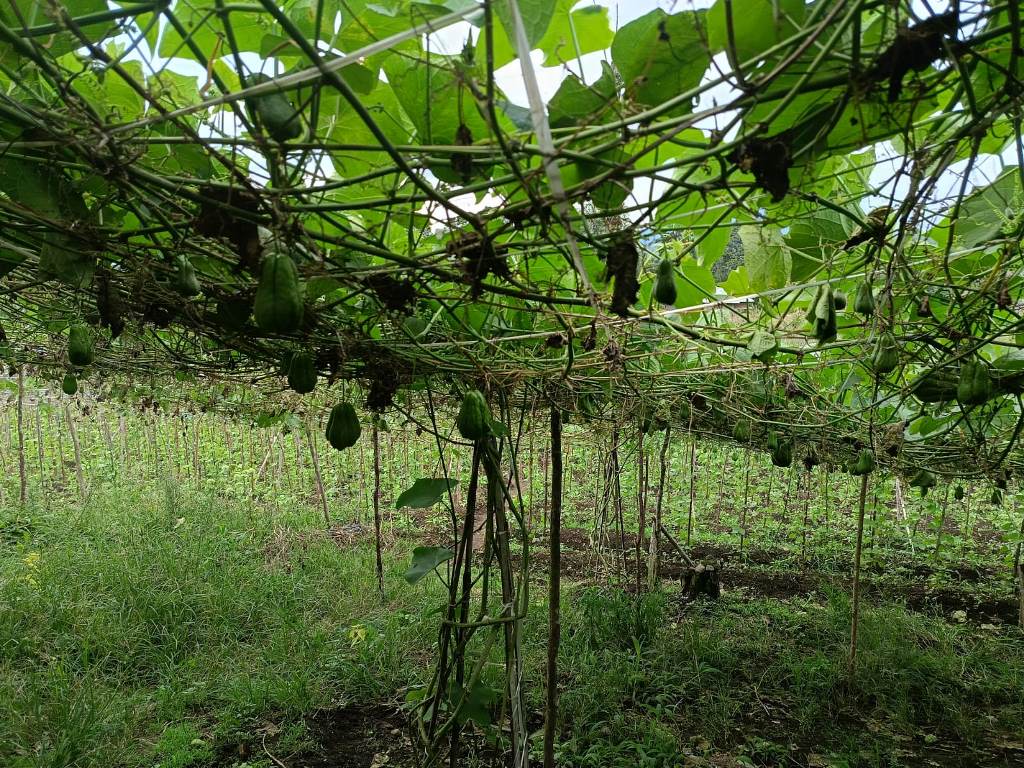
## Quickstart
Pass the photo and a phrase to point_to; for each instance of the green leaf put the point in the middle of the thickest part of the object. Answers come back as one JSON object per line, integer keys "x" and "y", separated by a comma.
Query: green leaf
{"x": 433, "y": 96}
{"x": 65, "y": 259}
{"x": 814, "y": 241}
{"x": 425, "y": 560}
{"x": 763, "y": 346}
{"x": 767, "y": 258}
{"x": 34, "y": 13}
{"x": 757, "y": 25}
{"x": 536, "y": 15}
{"x": 425, "y": 492}
{"x": 1011, "y": 361}
{"x": 321, "y": 286}
{"x": 475, "y": 703}
{"x": 204, "y": 28}
{"x": 575, "y": 101}
{"x": 660, "y": 56}
{"x": 574, "y": 33}
{"x": 985, "y": 213}
{"x": 9, "y": 260}
{"x": 738, "y": 282}
{"x": 694, "y": 284}
{"x": 613, "y": 191}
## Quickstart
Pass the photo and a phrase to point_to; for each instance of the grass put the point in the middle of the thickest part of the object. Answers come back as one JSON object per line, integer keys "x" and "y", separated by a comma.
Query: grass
{"x": 136, "y": 624}
{"x": 733, "y": 672}
{"x": 163, "y": 627}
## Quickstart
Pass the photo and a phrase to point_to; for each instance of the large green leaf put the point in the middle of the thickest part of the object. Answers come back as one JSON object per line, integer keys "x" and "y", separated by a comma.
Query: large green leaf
{"x": 985, "y": 213}
{"x": 574, "y": 33}
{"x": 575, "y": 102}
{"x": 38, "y": 13}
{"x": 694, "y": 284}
{"x": 814, "y": 241}
{"x": 426, "y": 559}
{"x": 766, "y": 256}
{"x": 44, "y": 190}
{"x": 204, "y": 29}
{"x": 425, "y": 492}
{"x": 613, "y": 191}
{"x": 63, "y": 258}
{"x": 757, "y": 25}
{"x": 536, "y": 15}
{"x": 376, "y": 21}
{"x": 661, "y": 55}
{"x": 569, "y": 34}
{"x": 432, "y": 95}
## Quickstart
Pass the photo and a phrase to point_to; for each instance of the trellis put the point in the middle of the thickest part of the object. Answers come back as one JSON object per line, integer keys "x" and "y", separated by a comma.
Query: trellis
{"x": 770, "y": 118}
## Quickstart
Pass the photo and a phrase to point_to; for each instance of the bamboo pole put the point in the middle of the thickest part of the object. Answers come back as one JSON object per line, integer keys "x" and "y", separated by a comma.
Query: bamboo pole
{"x": 315, "y": 457}
{"x": 79, "y": 476}
{"x": 376, "y": 507}
{"x": 554, "y": 590}
{"x": 652, "y": 554}
{"x": 852, "y": 667}
{"x": 22, "y": 475}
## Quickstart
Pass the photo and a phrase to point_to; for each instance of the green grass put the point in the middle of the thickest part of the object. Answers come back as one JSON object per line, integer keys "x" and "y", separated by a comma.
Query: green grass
{"x": 151, "y": 618}
{"x": 642, "y": 684}
{"x": 164, "y": 627}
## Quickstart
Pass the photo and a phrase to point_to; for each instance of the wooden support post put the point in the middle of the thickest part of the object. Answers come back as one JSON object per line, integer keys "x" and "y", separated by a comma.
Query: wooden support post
{"x": 554, "y": 590}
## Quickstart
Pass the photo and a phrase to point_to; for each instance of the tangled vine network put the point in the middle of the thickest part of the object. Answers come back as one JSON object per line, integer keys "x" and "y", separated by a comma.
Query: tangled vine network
{"x": 207, "y": 188}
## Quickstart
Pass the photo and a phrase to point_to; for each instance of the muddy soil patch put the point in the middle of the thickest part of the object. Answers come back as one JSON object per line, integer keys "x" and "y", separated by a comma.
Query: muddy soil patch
{"x": 358, "y": 737}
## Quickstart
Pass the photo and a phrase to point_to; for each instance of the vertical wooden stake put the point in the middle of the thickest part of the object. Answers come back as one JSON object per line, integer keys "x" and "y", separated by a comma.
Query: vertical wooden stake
{"x": 693, "y": 488}
{"x": 554, "y": 590}
{"x": 39, "y": 442}
{"x": 22, "y": 476}
{"x": 652, "y": 553}
{"x": 807, "y": 515}
{"x": 544, "y": 502}
{"x": 78, "y": 452}
{"x": 641, "y": 503}
{"x": 746, "y": 501}
{"x": 825, "y": 507}
{"x": 1018, "y": 571}
{"x": 315, "y": 456}
{"x": 851, "y": 669}
{"x": 942, "y": 523}
{"x": 179, "y": 426}
{"x": 376, "y": 506}
{"x": 60, "y": 449}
